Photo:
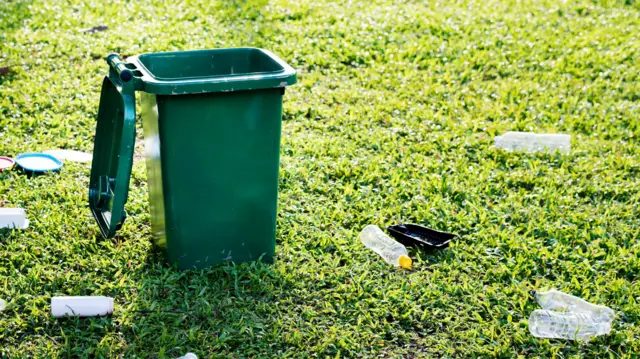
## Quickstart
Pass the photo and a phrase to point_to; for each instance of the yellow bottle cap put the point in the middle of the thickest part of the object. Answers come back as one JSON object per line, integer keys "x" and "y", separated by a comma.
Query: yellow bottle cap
{"x": 405, "y": 262}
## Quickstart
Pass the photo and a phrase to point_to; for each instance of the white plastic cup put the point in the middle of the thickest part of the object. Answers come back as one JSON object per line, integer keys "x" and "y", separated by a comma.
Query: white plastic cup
{"x": 81, "y": 306}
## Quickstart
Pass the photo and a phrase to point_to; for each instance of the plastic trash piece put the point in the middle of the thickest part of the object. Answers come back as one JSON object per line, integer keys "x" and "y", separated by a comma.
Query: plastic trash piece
{"x": 189, "y": 356}
{"x": 556, "y": 300}
{"x": 81, "y": 306}
{"x": 566, "y": 325}
{"x": 579, "y": 319}
{"x": 6, "y": 163}
{"x": 413, "y": 234}
{"x": 3, "y": 305}
{"x": 38, "y": 162}
{"x": 13, "y": 218}
{"x": 70, "y": 155}
{"x": 391, "y": 251}
{"x": 534, "y": 142}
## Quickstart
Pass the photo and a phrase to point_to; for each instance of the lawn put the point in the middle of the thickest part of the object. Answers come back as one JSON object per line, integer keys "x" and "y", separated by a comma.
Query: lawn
{"x": 392, "y": 120}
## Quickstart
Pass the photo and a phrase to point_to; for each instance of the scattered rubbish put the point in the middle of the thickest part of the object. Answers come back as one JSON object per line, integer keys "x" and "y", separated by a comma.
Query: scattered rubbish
{"x": 81, "y": 306}
{"x": 557, "y": 300}
{"x": 391, "y": 251}
{"x": 6, "y": 163}
{"x": 94, "y": 29}
{"x": 189, "y": 356}
{"x": 534, "y": 142}
{"x": 70, "y": 155}
{"x": 38, "y": 162}
{"x": 416, "y": 235}
{"x": 3, "y": 305}
{"x": 566, "y": 325}
{"x": 578, "y": 320}
{"x": 13, "y": 218}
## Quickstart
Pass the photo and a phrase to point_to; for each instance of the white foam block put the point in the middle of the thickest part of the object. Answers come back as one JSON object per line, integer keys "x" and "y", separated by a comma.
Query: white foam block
{"x": 13, "y": 218}
{"x": 81, "y": 306}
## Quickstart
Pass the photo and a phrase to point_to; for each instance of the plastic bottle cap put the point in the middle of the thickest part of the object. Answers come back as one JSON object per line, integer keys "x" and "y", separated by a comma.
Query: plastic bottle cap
{"x": 405, "y": 262}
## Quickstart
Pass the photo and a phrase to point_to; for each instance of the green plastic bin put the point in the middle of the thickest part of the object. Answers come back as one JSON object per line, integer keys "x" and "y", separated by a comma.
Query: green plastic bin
{"x": 211, "y": 121}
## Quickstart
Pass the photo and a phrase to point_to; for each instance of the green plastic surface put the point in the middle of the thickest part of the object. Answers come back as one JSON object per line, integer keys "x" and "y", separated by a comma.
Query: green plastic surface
{"x": 112, "y": 152}
{"x": 212, "y": 140}
{"x": 174, "y": 73}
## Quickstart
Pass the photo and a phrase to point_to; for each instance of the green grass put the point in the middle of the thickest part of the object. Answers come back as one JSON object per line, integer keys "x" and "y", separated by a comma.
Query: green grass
{"x": 392, "y": 121}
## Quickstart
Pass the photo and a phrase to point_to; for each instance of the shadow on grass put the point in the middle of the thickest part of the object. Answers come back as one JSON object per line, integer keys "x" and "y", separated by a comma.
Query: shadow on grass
{"x": 202, "y": 311}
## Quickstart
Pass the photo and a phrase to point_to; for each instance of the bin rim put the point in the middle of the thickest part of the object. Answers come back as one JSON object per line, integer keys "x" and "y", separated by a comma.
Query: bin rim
{"x": 147, "y": 82}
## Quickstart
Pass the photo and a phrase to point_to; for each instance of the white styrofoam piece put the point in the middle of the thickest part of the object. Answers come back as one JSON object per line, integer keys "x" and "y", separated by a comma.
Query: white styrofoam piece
{"x": 534, "y": 142}
{"x": 13, "y": 218}
{"x": 70, "y": 155}
{"x": 81, "y": 306}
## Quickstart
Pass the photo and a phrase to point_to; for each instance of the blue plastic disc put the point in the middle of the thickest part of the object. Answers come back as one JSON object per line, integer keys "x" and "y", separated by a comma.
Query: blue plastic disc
{"x": 38, "y": 162}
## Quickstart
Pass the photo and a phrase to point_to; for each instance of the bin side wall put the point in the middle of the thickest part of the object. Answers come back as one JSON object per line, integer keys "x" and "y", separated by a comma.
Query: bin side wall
{"x": 217, "y": 173}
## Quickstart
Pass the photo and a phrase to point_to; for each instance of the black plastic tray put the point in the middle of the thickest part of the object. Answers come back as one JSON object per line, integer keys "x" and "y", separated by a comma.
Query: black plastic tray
{"x": 413, "y": 234}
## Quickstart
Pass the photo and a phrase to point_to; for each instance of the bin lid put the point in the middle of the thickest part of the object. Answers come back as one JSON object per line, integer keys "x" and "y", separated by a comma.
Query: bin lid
{"x": 112, "y": 152}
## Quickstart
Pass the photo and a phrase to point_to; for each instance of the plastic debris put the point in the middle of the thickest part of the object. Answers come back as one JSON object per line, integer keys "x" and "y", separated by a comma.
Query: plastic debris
{"x": 391, "y": 251}
{"x": 13, "y": 218}
{"x": 81, "y": 306}
{"x": 578, "y": 320}
{"x": 416, "y": 235}
{"x": 38, "y": 162}
{"x": 3, "y": 305}
{"x": 6, "y": 163}
{"x": 95, "y": 29}
{"x": 70, "y": 155}
{"x": 557, "y": 300}
{"x": 534, "y": 142}
{"x": 189, "y": 356}
{"x": 566, "y": 325}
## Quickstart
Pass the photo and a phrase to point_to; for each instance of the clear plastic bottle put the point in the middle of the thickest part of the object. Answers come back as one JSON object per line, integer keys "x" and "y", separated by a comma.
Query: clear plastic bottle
{"x": 566, "y": 325}
{"x": 533, "y": 142}
{"x": 391, "y": 251}
{"x": 555, "y": 300}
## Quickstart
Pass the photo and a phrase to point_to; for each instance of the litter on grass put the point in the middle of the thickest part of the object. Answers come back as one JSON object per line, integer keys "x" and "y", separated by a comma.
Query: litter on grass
{"x": 13, "y": 218}
{"x": 6, "y": 163}
{"x": 38, "y": 162}
{"x": 391, "y": 251}
{"x": 3, "y": 305}
{"x": 70, "y": 155}
{"x": 81, "y": 306}
{"x": 420, "y": 236}
{"x": 557, "y": 300}
{"x": 94, "y": 29}
{"x": 564, "y": 316}
{"x": 534, "y": 142}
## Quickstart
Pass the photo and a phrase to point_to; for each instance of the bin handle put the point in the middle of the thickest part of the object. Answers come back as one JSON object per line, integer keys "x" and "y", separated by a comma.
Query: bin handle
{"x": 119, "y": 67}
